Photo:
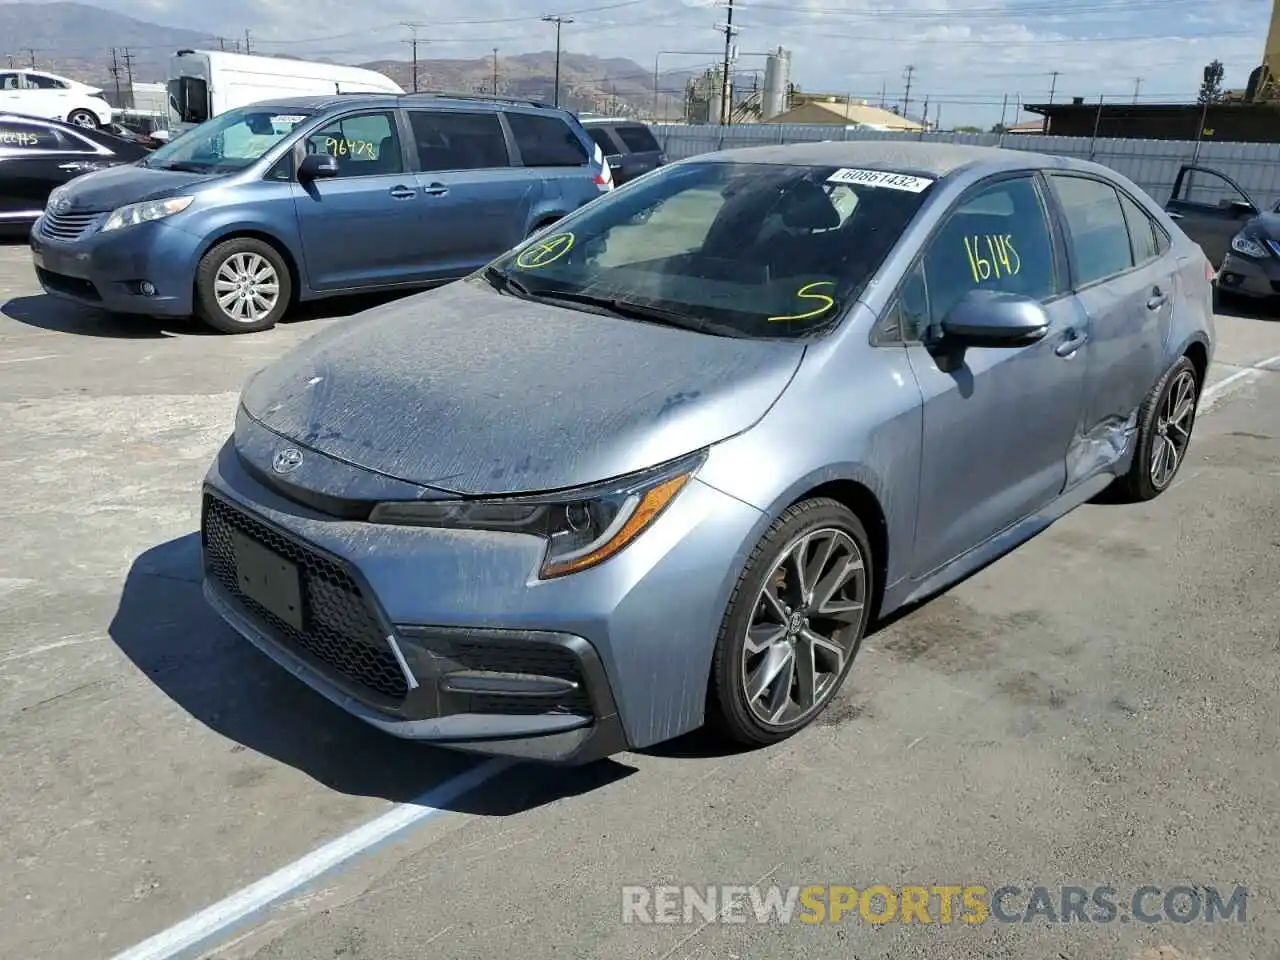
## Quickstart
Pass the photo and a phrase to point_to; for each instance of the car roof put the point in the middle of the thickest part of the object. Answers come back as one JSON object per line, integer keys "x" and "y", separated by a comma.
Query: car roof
{"x": 330, "y": 101}
{"x": 903, "y": 156}
{"x": 588, "y": 121}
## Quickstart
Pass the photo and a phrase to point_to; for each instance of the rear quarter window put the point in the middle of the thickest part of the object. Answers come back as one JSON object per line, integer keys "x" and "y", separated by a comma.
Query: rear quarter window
{"x": 637, "y": 138}
{"x": 546, "y": 141}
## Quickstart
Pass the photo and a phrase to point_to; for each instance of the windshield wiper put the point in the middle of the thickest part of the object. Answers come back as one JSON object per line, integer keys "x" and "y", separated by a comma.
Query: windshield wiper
{"x": 185, "y": 166}
{"x": 505, "y": 283}
{"x": 645, "y": 312}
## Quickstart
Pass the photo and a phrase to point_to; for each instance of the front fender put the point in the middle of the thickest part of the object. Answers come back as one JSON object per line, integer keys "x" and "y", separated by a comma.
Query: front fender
{"x": 215, "y": 224}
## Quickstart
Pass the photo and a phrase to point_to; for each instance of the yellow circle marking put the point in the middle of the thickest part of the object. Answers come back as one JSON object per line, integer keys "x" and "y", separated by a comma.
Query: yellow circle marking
{"x": 545, "y": 252}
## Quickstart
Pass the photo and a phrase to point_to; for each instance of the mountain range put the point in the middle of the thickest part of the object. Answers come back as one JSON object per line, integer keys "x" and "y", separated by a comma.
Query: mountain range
{"x": 88, "y": 43}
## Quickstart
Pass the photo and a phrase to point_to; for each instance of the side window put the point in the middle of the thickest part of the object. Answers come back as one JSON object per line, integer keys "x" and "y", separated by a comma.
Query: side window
{"x": 637, "y": 138}
{"x": 600, "y": 137}
{"x": 366, "y": 144}
{"x": 1098, "y": 235}
{"x": 26, "y": 136}
{"x": 996, "y": 239}
{"x": 71, "y": 143}
{"x": 1142, "y": 231}
{"x": 546, "y": 141}
{"x": 1162, "y": 239}
{"x": 458, "y": 141}
{"x": 9, "y": 81}
{"x": 41, "y": 82}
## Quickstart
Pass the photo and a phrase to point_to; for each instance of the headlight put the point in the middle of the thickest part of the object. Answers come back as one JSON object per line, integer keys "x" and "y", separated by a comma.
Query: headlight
{"x": 55, "y": 195}
{"x": 1248, "y": 246}
{"x": 582, "y": 527}
{"x": 148, "y": 210}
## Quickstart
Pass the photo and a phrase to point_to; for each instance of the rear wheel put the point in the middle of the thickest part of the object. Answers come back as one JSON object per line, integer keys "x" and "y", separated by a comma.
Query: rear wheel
{"x": 242, "y": 286}
{"x": 794, "y": 624}
{"x": 83, "y": 118}
{"x": 1165, "y": 422}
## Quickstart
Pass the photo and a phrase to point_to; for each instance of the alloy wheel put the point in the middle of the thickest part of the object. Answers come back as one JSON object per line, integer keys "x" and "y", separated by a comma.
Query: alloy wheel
{"x": 1173, "y": 429}
{"x": 247, "y": 287}
{"x": 804, "y": 627}
{"x": 83, "y": 120}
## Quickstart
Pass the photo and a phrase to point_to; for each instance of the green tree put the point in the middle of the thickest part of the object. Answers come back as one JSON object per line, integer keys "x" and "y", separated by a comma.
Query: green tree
{"x": 968, "y": 130}
{"x": 1211, "y": 83}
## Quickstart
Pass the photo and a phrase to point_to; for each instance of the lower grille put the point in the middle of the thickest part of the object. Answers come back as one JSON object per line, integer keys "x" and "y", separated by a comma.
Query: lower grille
{"x": 72, "y": 286}
{"x": 68, "y": 226}
{"x": 340, "y": 630}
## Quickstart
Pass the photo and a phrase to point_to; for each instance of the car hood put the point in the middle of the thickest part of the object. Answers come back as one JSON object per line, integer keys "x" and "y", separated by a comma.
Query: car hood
{"x": 472, "y": 392}
{"x": 129, "y": 183}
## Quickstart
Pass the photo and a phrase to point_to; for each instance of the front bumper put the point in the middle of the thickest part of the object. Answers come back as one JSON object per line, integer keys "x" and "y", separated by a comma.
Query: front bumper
{"x": 107, "y": 270}
{"x": 1248, "y": 277}
{"x": 447, "y": 637}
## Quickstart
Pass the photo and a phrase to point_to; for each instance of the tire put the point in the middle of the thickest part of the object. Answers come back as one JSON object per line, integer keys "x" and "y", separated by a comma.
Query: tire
{"x": 731, "y": 710}
{"x": 228, "y": 271}
{"x": 1158, "y": 428}
{"x": 83, "y": 118}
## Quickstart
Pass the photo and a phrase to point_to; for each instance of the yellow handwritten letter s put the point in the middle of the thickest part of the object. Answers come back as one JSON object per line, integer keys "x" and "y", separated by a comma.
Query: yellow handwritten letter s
{"x": 822, "y": 302}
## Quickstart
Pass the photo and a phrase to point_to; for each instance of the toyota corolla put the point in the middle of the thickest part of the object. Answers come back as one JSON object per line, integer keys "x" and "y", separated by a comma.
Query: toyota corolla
{"x": 667, "y": 461}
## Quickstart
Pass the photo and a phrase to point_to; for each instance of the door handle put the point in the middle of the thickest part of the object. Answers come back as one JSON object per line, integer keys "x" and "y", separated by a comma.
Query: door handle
{"x": 436, "y": 190}
{"x": 1157, "y": 299}
{"x": 403, "y": 193}
{"x": 1173, "y": 216}
{"x": 1069, "y": 347}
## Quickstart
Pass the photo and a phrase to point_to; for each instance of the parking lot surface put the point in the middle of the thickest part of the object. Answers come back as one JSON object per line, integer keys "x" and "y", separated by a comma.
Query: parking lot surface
{"x": 1098, "y": 708}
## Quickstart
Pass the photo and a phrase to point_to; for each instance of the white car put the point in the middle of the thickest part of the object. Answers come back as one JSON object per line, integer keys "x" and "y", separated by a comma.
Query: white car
{"x": 46, "y": 95}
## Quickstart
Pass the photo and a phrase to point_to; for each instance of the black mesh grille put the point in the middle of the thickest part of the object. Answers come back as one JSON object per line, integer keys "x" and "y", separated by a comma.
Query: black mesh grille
{"x": 68, "y": 226}
{"x": 534, "y": 659}
{"x": 340, "y": 629}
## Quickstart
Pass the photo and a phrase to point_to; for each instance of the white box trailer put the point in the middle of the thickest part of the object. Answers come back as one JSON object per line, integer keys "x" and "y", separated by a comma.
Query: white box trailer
{"x": 205, "y": 83}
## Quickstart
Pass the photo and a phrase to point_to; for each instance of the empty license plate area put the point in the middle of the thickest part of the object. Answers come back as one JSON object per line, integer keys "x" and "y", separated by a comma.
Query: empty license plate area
{"x": 268, "y": 579}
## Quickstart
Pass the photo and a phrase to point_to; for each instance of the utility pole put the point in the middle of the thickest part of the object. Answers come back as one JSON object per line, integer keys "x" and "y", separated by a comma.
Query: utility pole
{"x": 247, "y": 48}
{"x": 882, "y": 94}
{"x": 114, "y": 70}
{"x": 1137, "y": 86}
{"x": 924, "y": 116}
{"x": 222, "y": 44}
{"x": 495, "y": 71}
{"x": 413, "y": 41}
{"x": 1053, "y": 84}
{"x": 559, "y": 22}
{"x": 128, "y": 66}
{"x": 726, "y": 109}
{"x": 33, "y": 58}
{"x": 906, "y": 96}
{"x": 1004, "y": 109}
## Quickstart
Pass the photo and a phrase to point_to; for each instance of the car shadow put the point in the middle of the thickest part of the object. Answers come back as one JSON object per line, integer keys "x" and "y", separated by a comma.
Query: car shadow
{"x": 1244, "y": 309}
{"x": 165, "y": 627}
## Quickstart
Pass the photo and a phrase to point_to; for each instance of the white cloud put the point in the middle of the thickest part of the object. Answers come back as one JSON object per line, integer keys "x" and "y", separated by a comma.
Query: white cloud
{"x": 967, "y": 54}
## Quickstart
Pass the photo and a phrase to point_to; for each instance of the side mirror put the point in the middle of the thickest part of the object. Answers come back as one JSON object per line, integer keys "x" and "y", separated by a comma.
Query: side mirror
{"x": 1242, "y": 208}
{"x": 988, "y": 318}
{"x": 318, "y": 166}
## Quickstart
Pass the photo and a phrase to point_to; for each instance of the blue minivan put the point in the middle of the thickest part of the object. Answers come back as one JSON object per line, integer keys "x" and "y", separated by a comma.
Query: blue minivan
{"x": 309, "y": 197}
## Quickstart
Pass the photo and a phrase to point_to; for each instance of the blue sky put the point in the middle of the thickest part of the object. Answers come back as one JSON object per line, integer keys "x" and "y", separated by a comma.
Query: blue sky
{"x": 967, "y": 54}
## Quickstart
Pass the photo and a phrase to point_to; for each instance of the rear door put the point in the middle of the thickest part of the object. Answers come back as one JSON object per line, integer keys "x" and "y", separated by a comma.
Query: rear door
{"x": 551, "y": 153}
{"x": 15, "y": 96}
{"x": 474, "y": 205}
{"x": 30, "y": 161}
{"x": 643, "y": 152}
{"x": 1127, "y": 288}
{"x": 1210, "y": 208}
{"x": 361, "y": 228}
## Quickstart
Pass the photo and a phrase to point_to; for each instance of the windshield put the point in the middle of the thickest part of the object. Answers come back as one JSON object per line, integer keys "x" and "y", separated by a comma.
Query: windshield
{"x": 745, "y": 249}
{"x": 229, "y": 142}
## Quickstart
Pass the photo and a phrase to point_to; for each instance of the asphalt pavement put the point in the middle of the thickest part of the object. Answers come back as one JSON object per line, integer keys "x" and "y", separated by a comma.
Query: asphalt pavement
{"x": 1099, "y": 708}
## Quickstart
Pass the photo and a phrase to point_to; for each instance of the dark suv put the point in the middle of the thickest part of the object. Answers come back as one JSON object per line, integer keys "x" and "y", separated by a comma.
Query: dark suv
{"x": 307, "y": 197}
{"x": 629, "y": 145}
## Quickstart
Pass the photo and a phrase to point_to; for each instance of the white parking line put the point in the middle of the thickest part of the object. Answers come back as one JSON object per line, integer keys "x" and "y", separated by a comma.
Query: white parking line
{"x": 1212, "y": 393}
{"x": 222, "y": 916}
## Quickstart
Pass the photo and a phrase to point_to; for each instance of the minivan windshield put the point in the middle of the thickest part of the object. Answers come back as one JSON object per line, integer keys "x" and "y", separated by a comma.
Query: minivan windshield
{"x": 230, "y": 141}
{"x": 735, "y": 249}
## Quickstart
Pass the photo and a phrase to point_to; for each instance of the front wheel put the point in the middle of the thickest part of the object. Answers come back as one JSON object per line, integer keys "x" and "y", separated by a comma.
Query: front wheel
{"x": 242, "y": 286}
{"x": 83, "y": 118}
{"x": 794, "y": 624}
{"x": 1165, "y": 423}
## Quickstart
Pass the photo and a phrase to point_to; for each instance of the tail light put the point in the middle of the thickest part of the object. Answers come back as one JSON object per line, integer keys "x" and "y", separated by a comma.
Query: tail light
{"x": 1209, "y": 272}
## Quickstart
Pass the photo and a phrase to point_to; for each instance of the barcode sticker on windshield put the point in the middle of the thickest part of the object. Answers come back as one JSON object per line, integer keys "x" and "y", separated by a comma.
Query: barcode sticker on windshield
{"x": 291, "y": 119}
{"x": 881, "y": 178}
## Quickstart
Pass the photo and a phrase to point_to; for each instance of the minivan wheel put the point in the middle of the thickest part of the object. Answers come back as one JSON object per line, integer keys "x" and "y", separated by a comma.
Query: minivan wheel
{"x": 242, "y": 285}
{"x": 794, "y": 623}
{"x": 1165, "y": 422}
{"x": 83, "y": 118}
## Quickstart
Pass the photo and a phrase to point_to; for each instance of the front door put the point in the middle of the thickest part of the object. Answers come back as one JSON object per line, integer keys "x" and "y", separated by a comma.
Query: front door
{"x": 474, "y": 204}
{"x": 1210, "y": 208}
{"x": 361, "y": 228}
{"x": 998, "y": 422}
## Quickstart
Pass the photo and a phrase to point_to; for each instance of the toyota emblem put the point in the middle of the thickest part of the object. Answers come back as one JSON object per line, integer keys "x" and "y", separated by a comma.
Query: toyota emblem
{"x": 287, "y": 460}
